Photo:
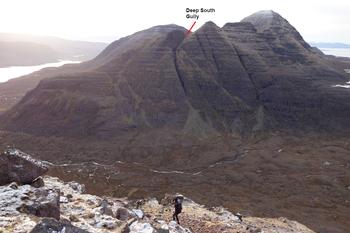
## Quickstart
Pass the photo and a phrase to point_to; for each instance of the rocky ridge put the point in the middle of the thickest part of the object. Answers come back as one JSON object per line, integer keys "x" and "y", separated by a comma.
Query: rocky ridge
{"x": 90, "y": 213}
{"x": 56, "y": 206}
{"x": 19, "y": 167}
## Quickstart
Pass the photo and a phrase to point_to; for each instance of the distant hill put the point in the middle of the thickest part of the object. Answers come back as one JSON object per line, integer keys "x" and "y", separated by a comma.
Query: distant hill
{"x": 25, "y": 53}
{"x": 18, "y": 49}
{"x": 330, "y": 45}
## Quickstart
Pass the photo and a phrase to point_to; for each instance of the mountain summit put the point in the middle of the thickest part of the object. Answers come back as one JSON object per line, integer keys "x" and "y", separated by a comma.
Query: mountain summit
{"x": 267, "y": 19}
{"x": 258, "y": 74}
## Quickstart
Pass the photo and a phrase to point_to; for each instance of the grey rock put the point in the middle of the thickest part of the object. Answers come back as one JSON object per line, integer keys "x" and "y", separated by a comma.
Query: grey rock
{"x": 125, "y": 229}
{"x": 64, "y": 199}
{"x": 122, "y": 214}
{"x": 46, "y": 203}
{"x": 255, "y": 230}
{"x": 16, "y": 166}
{"x": 73, "y": 218}
{"x": 161, "y": 226}
{"x": 38, "y": 182}
{"x": 108, "y": 224}
{"x": 141, "y": 227}
{"x": 176, "y": 228}
{"x": 49, "y": 225}
{"x": 162, "y": 231}
{"x": 80, "y": 188}
{"x": 138, "y": 213}
{"x": 13, "y": 185}
{"x": 106, "y": 209}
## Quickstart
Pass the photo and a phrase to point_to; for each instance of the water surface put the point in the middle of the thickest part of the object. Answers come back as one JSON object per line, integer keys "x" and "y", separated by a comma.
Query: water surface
{"x": 11, "y": 72}
{"x": 336, "y": 52}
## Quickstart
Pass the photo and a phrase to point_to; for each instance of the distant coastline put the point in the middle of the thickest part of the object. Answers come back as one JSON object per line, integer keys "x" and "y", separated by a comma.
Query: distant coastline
{"x": 11, "y": 72}
{"x": 335, "y": 49}
{"x": 339, "y": 52}
{"x": 330, "y": 45}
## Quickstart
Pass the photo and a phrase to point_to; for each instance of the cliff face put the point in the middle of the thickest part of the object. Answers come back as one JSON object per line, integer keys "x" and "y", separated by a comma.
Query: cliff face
{"x": 253, "y": 75}
{"x": 128, "y": 90}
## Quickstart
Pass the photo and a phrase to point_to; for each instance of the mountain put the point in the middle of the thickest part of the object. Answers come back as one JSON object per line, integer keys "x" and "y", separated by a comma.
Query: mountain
{"x": 253, "y": 75}
{"x": 23, "y": 50}
{"x": 247, "y": 116}
{"x": 330, "y": 45}
{"x": 25, "y": 54}
{"x": 13, "y": 90}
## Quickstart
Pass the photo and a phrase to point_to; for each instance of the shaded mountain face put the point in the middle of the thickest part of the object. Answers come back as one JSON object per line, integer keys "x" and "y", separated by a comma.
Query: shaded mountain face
{"x": 258, "y": 74}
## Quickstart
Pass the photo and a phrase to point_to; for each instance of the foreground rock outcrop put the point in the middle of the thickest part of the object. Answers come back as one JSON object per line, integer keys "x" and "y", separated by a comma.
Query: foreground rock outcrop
{"x": 41, "y": 202}
{"x": 82, "y": 213}
{"x": 29, "y": 203}
{"x": 52, "y": 225}
{"x": 19, "y": 167}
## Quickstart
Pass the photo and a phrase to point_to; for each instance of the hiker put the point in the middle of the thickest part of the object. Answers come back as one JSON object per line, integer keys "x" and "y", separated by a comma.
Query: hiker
{"x": 178, "y": 207}
{"x": 239, "y": 216}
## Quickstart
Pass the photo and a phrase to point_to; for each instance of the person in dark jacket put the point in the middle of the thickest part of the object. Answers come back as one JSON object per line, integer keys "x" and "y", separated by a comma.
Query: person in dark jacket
{"x": 178, "y": 207}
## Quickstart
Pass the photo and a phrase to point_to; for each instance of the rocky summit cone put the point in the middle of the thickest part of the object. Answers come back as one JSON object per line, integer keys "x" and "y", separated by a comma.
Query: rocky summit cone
{"x": 266, "y": 20}
{"x": 258, "y": 74}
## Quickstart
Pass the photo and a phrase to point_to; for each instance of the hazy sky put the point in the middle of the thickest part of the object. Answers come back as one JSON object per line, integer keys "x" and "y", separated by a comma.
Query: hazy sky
{"x": 316, "y": 20}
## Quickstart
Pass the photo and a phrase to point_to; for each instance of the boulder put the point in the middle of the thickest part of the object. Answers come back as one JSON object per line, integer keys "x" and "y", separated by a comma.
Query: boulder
{"x": 161, "y": 226}
{"x": 13, "y": 185}
{"x": 49, "y": 225}
{"x": 108, "y": 224}
{"x": 138, "y": 213}
{"x": 141, "y": 227}
{"x": 106, "y": 221}
{"x": 16, "y": 166}
{"x": 125, "y": 229}
{"x": 122, "y": 214}
{"x": 38, "y": 182}
{"x": 225, "y": 215}
{"x": 44, "y": 203}
{"x": 79, "y": 188}
{"x": 176, "y": 228}
{"x": 73, "y": 218}
{"x": 64, "y": 199}
{"x": 106, "y": 209}
{"x": 253, "y": 229}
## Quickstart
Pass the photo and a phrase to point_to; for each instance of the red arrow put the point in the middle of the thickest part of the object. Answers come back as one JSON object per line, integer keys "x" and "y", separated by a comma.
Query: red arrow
{"x": 189, "y": 30}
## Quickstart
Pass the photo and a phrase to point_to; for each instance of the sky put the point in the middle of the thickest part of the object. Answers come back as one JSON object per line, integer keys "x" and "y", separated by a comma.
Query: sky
{"x": 108, "y": 20}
